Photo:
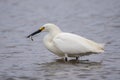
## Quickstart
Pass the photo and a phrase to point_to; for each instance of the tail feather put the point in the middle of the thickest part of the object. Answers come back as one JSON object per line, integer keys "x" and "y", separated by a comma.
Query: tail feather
{"x": 100, "y": 48}
{"x": 102, "y": 45}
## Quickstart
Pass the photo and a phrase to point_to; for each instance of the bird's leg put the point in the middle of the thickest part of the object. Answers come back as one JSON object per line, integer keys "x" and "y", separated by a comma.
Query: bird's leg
{"x": 66, "y": 57}
{"x": 77, "y": 58}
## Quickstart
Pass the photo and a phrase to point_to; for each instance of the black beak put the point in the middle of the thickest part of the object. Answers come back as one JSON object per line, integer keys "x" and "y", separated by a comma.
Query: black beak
{"x": 36, "y": 32}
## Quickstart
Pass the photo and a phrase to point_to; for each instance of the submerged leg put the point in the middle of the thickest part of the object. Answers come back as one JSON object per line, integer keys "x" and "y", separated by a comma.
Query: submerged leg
{"x": 66, "y": 57}
{"x": 77, "y": 58}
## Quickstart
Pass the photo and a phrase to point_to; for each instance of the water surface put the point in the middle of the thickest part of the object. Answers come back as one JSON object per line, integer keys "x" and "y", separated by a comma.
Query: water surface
{"x": 23, "y": 59}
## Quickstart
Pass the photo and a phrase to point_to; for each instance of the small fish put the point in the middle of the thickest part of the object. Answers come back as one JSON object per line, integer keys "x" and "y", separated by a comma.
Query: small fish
{"x": 31, "y": 38}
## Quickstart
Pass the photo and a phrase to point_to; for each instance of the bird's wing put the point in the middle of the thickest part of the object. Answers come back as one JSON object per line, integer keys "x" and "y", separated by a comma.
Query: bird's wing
{"x": 74, "y": 44}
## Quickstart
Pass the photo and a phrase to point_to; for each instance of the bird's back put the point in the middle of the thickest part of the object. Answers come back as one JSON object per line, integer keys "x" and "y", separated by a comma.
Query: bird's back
{"x": 71, "y": 43}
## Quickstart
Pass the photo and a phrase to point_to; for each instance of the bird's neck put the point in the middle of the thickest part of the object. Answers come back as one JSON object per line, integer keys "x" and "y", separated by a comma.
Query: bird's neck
{"x": 51, "y": 34}
{"x": 54, "y": 31}
{"x": 48, "y": 39}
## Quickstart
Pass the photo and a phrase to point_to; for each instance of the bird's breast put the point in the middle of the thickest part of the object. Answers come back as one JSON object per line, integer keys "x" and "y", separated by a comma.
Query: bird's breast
{"x": 49, "y": 44}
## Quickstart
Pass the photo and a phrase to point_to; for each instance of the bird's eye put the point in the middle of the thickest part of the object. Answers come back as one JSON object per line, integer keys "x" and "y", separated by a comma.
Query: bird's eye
{"x": 42, "y": 28}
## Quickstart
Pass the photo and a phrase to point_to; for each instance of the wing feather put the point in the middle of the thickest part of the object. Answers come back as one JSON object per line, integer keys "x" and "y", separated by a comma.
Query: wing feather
{"x": 71, "y": 43}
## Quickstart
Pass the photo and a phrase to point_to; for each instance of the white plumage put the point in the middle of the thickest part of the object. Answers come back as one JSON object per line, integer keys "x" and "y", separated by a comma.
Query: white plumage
{"x": 71, "y": 43}
{"x": 67, "y": 44}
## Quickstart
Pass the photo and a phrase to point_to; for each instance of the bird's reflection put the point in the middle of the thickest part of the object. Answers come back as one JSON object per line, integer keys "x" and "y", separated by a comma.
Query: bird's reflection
{"x": 60, "y": 64}
{"x": 62, "y": 69}
{"x": 74, "y": 61}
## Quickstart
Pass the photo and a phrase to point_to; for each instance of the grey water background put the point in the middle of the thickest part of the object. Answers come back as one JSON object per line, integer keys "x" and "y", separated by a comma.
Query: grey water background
{"x": 23, "y": 59}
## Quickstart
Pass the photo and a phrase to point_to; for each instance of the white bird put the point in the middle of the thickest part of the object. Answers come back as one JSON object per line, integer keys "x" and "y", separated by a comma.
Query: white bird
{"x": 67, "y": 44}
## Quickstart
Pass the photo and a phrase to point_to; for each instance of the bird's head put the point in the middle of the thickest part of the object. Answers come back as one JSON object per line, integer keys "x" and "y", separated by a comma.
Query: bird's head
{"x": 49, "y": 27}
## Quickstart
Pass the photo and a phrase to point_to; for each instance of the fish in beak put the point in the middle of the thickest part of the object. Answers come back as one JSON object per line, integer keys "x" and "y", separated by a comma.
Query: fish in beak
{"x": 36, "y": 32}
